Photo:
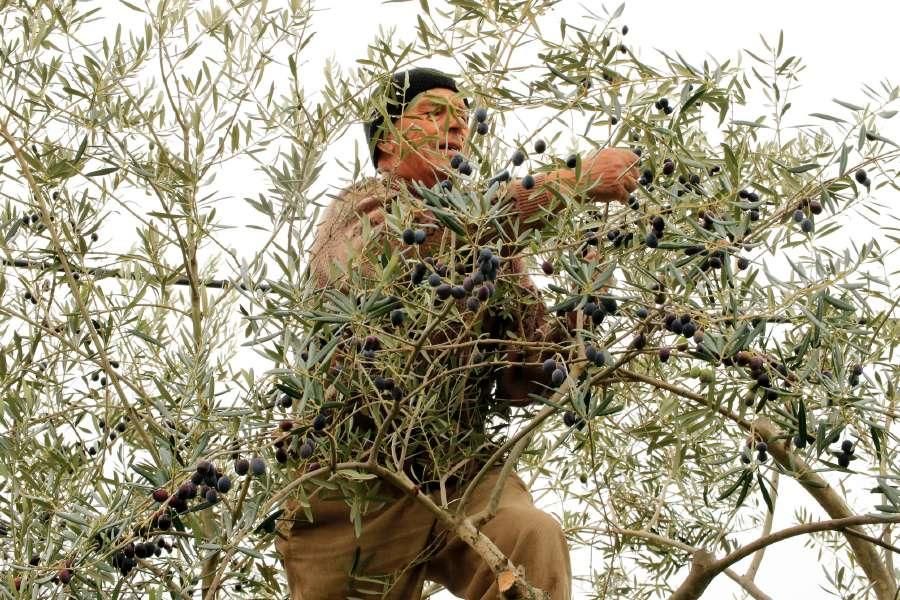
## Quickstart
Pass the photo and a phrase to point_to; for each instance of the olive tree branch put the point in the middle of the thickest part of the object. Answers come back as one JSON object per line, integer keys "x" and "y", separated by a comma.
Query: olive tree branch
{"x": 744, "y": 581}
{"x": 705, "y": 567}
{"x": 77, "y": 298}
{"x": 539, "y": 418}
{"x": 882, "y": 581}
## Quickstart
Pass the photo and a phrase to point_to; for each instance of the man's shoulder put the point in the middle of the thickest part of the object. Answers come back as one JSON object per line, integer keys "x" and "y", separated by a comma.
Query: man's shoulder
{"x": 368, "y": 187}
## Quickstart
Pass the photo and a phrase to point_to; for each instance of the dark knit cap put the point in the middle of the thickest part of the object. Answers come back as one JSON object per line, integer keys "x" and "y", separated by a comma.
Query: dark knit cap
{"x": 398, "y": 97}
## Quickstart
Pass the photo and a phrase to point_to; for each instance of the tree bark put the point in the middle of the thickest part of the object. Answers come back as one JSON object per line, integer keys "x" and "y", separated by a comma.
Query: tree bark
{"x": 882, "y": 581}
{"x": 704, "y": 567}
{"x": 701, "y": 575}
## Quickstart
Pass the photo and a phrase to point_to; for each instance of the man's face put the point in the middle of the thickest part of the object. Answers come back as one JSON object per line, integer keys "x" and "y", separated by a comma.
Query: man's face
{"x": 431, "y": 130}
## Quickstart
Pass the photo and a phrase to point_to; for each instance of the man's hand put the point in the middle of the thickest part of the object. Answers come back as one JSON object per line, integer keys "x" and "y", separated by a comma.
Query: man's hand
{"x": 592, "y": 255}
{"x": 615, "y": 172}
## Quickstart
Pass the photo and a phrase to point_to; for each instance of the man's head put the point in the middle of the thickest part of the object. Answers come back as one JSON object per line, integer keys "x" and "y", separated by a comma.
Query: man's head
{"x": 429, "y": 123}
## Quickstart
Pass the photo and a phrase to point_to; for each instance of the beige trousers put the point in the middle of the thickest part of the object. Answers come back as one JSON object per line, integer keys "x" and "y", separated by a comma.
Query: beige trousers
{"x": 402, "y": 545}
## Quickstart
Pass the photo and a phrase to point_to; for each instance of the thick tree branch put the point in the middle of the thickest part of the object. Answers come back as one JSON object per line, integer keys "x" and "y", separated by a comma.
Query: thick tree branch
{"x": 803, "y": 528}
{"x": 705, "y": 568}
{"x": 101, "y": 272}
{"x": 882, "y": 580}
{"x": 742, "y": 580}
{"x": 891, "y": 549}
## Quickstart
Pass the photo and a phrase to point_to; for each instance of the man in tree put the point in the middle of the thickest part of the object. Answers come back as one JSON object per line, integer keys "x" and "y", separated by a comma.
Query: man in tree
{"x": 400, "y": 543}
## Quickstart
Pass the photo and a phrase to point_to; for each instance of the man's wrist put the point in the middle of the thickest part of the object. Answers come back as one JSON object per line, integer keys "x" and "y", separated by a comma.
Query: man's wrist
{"x": 562, "y": 180}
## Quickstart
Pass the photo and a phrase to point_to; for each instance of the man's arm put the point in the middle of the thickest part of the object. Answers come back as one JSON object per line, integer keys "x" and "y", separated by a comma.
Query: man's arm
{"x": 339, "y": 236}
{"x": 516, "y": 382}
{"x": 526, "y": 375}
{"x": 607, "y": 175}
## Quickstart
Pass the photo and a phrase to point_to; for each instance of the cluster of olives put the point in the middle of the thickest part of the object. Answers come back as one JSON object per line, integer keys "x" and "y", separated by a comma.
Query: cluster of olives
{"x": 126, "y": 558}
{"x": 479, "y": 283}
{"x": 752, "y": 204}
{"x": 481, "y": 125}
{"x": 556, "y": 371}
{"x": 484, "y": 276}
{"x": 382, "y": 384}
{"x": 207, "y": 482}
{"x": 120, "y": 427}
{"x": 459, "y": 162}
{"x": 762, "y": 376}
{"x": 652, "y": 238}
{"x": 517, "y": 158}
{"x": 689, "y": 183}
{"x": 297, "y": 449}
{"x": 684, "y": 326}
{"x": 806, "y": 223}
{"x": 595, "y": 355}
{"x": 596, "y": 308}
{"x": 663, "y": 105}
{"x": 762, "y": 455}
{"x": 846, "y": 454}
{"x": 97, "y": 377}
{"x": 617, "y": 237}
{"x": 256, "y": 466}
{"x": 419, "y": 270}
{"x": 713, "y": 259}
{"x": 804, "y": 212}
{"x": 862, "y": 178}
{"x": 414, "y": 236}
{"x": 29, "y": 219}
{"x": 31, "y": 222}
{"x": 761, "y": 451}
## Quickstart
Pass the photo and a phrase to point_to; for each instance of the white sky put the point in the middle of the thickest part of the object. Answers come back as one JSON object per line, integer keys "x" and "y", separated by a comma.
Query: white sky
{"x": 843, "y": 45}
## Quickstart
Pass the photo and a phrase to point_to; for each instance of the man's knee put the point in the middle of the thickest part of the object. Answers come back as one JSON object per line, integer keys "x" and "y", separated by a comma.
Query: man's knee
{"x": 530, "y": 529}
{"x": 535, "y": 541}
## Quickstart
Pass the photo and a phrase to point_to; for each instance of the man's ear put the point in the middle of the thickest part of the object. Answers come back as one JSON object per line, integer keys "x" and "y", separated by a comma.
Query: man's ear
{"x": 387, "y": 150}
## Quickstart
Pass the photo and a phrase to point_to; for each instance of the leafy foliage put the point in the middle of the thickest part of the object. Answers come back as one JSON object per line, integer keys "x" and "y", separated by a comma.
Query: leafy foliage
{"x": 116, "y": 385}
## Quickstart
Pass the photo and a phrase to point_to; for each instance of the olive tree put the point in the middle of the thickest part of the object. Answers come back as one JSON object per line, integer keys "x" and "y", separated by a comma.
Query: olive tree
{"x": 722, "y": 333}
